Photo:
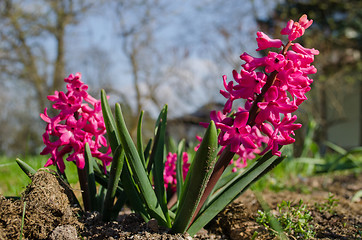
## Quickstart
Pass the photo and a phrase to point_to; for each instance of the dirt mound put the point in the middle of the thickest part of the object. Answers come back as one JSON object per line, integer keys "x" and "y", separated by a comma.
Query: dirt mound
{"x": 46, "y": 207}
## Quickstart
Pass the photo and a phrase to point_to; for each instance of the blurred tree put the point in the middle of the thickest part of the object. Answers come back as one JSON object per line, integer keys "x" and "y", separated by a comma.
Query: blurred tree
{"x": 336, "y": 33}
{"x": 32, "y": 64}
{"x": 153, "y": 63}
{"x": 29, "y": 31}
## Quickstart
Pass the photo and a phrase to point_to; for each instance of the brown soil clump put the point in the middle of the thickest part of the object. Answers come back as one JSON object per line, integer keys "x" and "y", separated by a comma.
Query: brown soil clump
{"x": 47, "y": 206}
{"x": 10, "y": 218}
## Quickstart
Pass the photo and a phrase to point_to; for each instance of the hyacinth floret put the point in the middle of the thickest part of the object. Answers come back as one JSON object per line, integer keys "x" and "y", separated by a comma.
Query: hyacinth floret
{"x": 79, "y": 121}
{"x": 271, "y": 96}
{"x": 169, "y": 174}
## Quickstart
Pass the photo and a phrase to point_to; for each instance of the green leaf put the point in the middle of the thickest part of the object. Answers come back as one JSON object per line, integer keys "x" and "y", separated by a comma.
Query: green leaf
{"x": 179, "y": 167}
{"x": 114, "y": 176}
{"x": 83, "y": 182}
{"x": 115, "y": 141}
{"x": 146, "y": 153}
{"x": 110, "y": 123}
{"x": 171, "y": 145}
{"x": 139, "y": 173}
{"x": 29, "y": 171}
{"x": 200, "y": 171}
{"x": 100, "y": 197}
{"x": 136, "y": 200}
{"x": 225, "y": 178}
{"x": 121, "y": 200}
{"x": 158, "y": 159}
{"x": 91, "y": 179}
{"x": 232, "y": 190}
{"x": 139, "y": 140}
{"x": 336, "y": 148}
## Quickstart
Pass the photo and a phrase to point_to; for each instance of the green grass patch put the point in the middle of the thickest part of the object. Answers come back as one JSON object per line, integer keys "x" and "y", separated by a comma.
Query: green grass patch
{"x": 13, "y": 180}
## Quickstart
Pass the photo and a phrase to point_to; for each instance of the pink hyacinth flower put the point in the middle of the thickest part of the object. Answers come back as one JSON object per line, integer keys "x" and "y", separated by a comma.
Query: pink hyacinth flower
{"x": 169, "y": 174}
{"x": 79, "y": 121}
{"x": 264, "y": 42}
{"x": 295, "y": 30}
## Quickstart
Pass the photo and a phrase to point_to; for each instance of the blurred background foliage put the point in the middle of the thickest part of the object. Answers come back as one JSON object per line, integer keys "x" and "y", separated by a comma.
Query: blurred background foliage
{"x": 146, "y": 53}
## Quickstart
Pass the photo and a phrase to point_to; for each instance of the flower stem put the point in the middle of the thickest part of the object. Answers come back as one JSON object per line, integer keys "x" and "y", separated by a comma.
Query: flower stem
{"x": 254, "y": 110}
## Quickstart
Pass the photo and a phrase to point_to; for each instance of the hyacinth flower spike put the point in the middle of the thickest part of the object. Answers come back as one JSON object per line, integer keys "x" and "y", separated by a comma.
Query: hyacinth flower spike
{"x": 276, "y": 94}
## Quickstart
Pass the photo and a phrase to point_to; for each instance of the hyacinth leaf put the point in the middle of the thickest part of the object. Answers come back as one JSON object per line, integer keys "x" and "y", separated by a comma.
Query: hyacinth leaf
{"x": 136, "y": 203}
{"x": 146, "y": 153}
{"x": 139, "y": 140}
{"x": 158, "y": 159}
{"x": 121, "y": 200}
{"x": 135, "y": 163}
{"x": 103, "y": 181}
{"x": 91, "y": 179}
{"x": 83, "y": 182}
{"x": 115, "y": 141}
{"x": 114, "y": 176}
{"x": 110, "y": 123}
{"x": 196, "y": 180}
{"x": 171, "y": 145}
{"x": 159, "y": 120}
{"x": 100, "y": 197}
{"x": 225, "y": 178}
{"x": 179, "y": 167}
{"x": 233, "y": 189}
{"x": 29, "y": 171}
{"x": 96, "y": 167}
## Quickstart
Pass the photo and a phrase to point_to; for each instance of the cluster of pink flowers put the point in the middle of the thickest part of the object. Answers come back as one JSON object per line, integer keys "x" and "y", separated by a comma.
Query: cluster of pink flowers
{"x": 270, "y": 96}
{"x": 79, "y": 121}
{"x": 169, "y": 174}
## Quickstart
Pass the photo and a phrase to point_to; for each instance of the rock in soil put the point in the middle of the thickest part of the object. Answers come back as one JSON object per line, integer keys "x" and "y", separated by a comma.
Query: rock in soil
{"x": 64, "y": 232}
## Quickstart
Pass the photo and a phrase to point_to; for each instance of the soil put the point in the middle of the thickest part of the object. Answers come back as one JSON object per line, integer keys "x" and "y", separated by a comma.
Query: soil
{"x": 51, "y": 214}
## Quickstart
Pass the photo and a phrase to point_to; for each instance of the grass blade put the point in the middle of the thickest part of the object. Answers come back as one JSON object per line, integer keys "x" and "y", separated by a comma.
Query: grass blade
{"x": 22, "y": 222}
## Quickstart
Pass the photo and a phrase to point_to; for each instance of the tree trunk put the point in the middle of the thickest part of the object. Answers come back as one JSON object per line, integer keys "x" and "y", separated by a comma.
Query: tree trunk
{"x": 59, "y": 66}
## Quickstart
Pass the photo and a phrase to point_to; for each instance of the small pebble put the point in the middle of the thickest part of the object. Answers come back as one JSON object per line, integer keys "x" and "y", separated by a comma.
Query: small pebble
{"x": 153, "y": 225}
{"x": 66, "y": 232}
